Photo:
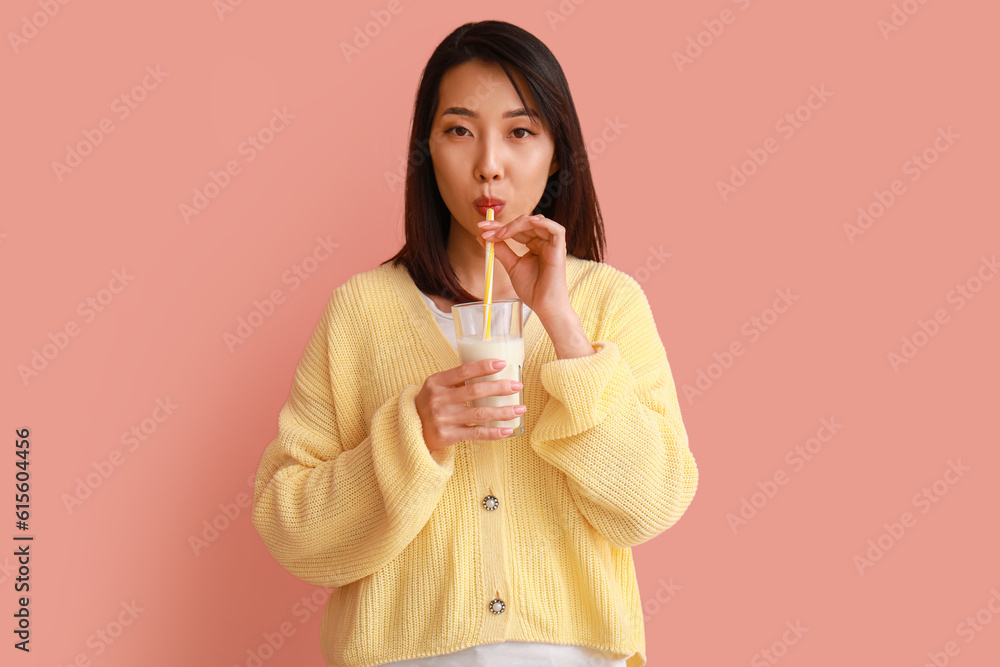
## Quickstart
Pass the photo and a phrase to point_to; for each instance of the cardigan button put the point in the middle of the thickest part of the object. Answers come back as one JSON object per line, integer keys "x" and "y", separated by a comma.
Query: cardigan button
{"x": 491, "y": 502}
{"x": 497, "y": 606}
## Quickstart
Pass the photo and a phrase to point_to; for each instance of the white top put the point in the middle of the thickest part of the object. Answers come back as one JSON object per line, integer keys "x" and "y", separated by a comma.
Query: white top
{"x": 505, "y": 654}
{"x": 446, "y": 320}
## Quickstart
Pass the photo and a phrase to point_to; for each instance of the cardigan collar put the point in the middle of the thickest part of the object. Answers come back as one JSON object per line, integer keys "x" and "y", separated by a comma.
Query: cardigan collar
{"x": 428, "y": 329}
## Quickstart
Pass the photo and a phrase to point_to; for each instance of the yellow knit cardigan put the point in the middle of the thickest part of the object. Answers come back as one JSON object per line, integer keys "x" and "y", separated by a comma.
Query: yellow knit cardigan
{"x": 347, "y": 494}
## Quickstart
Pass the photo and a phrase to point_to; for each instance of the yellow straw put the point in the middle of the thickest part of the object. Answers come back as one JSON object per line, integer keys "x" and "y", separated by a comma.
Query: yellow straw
{"x": 489, "y": 282}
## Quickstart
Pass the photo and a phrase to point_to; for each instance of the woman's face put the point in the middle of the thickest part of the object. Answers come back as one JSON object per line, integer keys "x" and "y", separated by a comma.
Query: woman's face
{"x": 481, "y": 144}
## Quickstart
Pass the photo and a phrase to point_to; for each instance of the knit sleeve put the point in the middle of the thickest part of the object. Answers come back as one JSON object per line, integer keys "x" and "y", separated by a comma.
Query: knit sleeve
{"x": 332, "y": 514}
{"x": 612, "y": 425}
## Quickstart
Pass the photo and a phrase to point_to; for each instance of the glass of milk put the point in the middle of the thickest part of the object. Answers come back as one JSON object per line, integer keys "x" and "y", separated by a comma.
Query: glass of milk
{"x": 505, "y": 342}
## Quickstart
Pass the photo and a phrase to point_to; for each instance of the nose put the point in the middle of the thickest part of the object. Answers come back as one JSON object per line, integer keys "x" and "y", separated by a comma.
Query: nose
{"x": 488, "y": 162}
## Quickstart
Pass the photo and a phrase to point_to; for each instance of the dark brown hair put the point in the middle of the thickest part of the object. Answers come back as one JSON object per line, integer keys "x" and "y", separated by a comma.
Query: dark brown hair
{"x": 569, "y": 197}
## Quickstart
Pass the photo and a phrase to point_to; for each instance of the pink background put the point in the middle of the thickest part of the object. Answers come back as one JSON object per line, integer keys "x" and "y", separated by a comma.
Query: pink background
{"x": 680, "y": 132}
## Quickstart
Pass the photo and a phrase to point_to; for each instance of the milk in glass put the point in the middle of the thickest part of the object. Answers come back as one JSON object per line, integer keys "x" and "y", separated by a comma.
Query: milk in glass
{"x": 511, "y": 350}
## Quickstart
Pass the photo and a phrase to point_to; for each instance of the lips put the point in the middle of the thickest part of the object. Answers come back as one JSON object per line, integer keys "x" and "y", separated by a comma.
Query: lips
{"x": 483, "y": 203}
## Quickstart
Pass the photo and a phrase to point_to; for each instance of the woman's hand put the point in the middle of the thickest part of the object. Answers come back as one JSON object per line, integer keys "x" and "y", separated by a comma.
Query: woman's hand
{"x": 445, "y": 417}
{"x": 539, "y": 277}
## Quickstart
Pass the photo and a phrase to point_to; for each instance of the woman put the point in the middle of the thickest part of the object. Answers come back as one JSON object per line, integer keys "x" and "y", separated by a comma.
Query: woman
{"x": 450, "y": 544}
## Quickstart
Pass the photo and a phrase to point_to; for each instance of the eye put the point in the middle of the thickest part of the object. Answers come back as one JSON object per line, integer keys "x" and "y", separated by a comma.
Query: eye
{"x": 464, "y": 129}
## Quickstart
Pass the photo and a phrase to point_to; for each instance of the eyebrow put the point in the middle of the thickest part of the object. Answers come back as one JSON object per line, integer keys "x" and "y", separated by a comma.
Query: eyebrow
{"x": 515, "y": 113}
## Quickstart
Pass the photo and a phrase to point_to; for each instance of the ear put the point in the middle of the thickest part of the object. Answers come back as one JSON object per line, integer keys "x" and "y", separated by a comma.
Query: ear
{"x": 554, "y": 167}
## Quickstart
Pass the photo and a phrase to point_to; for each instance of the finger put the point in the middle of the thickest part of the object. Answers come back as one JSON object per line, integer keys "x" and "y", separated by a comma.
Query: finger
{"x": 507, "y": 389}
{"x": 545, "y": 228}
{"x": 493, "y": 224}
{"x": 521, "y": 231}
{"x": 505, "y": 230}
{"x": 489, "y": 415}
{"x": 456, "y": 377}
{"x": 503, "y": 254}
{"x": 536, "y": 244}
{"x": 486, "y": 432}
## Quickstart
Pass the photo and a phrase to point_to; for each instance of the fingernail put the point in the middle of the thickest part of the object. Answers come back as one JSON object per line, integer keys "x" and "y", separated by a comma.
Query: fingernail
{"x": 516, "y": 385}
{"x": 489, "y": 234}
{"x": 520, "y": 410}
{"x": 485, "y": 223}
{"x": 506, "y": 431}
{"x": 499, "y": 364}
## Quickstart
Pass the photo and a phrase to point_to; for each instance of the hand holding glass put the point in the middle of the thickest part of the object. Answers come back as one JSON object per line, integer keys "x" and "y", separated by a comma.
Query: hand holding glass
{"x": 505, "y": 342}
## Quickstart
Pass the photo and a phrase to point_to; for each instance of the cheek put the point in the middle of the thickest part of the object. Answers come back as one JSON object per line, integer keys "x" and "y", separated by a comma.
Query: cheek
{"x": 540, "y": 174}
{"x": 444, "y": 166}
{"x": 539, "y": 165}
{"x": 441, "y": 171}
